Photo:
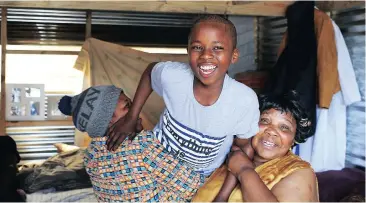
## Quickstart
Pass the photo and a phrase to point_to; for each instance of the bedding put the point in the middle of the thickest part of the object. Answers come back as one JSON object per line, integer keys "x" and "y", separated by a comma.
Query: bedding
{"x": 64, "y": 171}
{"x": 77, "y": 195}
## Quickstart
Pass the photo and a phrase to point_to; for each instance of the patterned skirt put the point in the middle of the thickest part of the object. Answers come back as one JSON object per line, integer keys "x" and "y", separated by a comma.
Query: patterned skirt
{"x": 142, "y": 171}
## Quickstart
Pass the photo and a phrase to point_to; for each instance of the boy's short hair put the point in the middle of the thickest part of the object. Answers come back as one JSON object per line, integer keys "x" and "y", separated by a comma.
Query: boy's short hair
{"x": 217, "y": 19}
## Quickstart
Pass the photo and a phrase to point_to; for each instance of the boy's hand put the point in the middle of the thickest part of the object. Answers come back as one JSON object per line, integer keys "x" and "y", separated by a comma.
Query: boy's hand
{"x": 240, "y": 157}
{"x": 122, "y": 129}
{"x": 239, "y": 161}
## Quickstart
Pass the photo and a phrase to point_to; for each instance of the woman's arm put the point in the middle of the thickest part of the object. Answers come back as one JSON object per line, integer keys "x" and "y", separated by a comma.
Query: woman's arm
{"x": 299, "y": 186}
{"x": 253, "y": 188}
{"x": 229, "y": 184}
{"x": 126, "y": 127}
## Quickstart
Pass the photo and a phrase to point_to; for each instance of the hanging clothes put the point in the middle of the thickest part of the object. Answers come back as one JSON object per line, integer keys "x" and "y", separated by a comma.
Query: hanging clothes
{"x": 327, "y": 77}
{"x": 327, "y": 72}
{"x": 326, "y": 150}
{"x": 295, "y": 68}
{"x": 329, "y": 142}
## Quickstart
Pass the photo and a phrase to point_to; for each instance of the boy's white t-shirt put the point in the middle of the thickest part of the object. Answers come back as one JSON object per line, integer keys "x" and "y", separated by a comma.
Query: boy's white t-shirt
{"x": 201, "y": 135}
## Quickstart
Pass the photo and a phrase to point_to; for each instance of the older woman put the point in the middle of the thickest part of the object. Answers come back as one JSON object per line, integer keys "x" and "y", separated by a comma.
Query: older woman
{"x": 271, "y": 172}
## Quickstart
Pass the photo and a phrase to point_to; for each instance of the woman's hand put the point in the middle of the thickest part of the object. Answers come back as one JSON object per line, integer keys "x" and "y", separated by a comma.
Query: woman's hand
{"x": 238, "y": 162}
{"x": 120, "y": 130}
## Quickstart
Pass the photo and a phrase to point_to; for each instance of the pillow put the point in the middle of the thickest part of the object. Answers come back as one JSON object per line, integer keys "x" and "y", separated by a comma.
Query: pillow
{"x": 61, "y": 147}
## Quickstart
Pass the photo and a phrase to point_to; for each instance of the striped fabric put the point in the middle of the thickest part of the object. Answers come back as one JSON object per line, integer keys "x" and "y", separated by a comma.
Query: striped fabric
{"x": 196, "y": 149}
{"x": 140, "y": 171}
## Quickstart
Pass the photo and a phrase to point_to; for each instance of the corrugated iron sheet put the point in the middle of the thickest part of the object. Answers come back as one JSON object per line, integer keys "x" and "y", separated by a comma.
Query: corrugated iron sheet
{"x": 270, "y": 31}
{"x": 36, "y": 143}
{"x": 352, "y": 24}
{"x": 136, "y": 28}
{"x": 46, "y": 26}
{"x": 67, "y": 27}
{"x": 142, "y": 19}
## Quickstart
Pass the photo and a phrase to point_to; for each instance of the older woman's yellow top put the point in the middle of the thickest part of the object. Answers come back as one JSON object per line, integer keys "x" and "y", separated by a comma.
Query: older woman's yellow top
{"x": 270, "y": 172}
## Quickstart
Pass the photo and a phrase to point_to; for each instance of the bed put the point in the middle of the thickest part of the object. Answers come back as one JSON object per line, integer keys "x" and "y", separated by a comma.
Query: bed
{"x": 60, "y": 178}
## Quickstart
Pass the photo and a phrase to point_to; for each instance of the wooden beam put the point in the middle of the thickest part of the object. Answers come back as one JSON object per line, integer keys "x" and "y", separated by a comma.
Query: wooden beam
{"x": 39, "y": 123}
{"x": 338, "y": 5}
{"x": 50, "y": 52}
{"x": 254, "y": 8}
{"x": 88, "y": 24}
{"x": 4, "y": 39}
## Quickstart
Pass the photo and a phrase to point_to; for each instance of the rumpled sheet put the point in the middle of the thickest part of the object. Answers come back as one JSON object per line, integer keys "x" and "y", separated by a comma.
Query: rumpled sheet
{"x": 79, "y": 195}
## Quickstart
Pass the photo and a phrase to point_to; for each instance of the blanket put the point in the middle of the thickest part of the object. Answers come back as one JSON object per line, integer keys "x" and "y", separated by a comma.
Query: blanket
{"x": 64, "y": 171}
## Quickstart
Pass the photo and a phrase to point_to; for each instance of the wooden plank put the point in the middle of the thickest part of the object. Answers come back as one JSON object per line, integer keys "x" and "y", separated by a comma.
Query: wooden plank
{"x": 4, "y": 42}
{"x": 51, "y": 52}
{"x": 255, "y": 8}
{"x": 338, "y": 5}
{"x": 88, "y": 24}
{"x": 39, "y": 123}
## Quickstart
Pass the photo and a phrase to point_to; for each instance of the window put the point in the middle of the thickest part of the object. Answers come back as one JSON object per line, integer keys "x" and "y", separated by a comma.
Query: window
{"x": 56, "y": 72}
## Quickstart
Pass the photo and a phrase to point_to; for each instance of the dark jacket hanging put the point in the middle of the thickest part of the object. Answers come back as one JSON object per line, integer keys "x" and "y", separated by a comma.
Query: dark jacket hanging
{"x": 295, "y": 69}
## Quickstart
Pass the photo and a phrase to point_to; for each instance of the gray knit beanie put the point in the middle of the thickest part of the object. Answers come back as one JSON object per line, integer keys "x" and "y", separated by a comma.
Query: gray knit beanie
{"x": 92, "y": 110}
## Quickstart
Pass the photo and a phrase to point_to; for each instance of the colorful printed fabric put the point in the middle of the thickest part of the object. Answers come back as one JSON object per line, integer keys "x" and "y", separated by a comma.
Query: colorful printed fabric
{"x": 142, "y": 171}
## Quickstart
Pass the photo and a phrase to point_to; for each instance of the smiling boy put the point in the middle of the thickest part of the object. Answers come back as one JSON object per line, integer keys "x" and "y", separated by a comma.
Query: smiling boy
{"x": 205, "y": 108}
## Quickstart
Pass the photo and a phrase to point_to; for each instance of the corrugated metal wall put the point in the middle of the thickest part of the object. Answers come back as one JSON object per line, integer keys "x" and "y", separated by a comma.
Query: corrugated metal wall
{"x": 37, "y": 142}
{"x": 245, "y": 27}
{"x": 46, "y": 26}
{"x": 269, "y": 35}
{"x": 352, "y": 25}
{"x": 67, "y": 27}
{"x": 131, "y": 28}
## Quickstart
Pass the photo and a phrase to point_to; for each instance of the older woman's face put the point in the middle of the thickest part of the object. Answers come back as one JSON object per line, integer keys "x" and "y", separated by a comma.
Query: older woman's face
{"x": 276, "y": 134}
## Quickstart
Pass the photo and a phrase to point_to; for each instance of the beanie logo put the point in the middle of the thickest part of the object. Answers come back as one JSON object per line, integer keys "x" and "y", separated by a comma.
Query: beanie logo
{"x": 84, "y": 117}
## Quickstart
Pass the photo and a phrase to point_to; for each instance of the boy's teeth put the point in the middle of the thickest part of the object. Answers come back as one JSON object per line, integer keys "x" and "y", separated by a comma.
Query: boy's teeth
{"x": 207, "y": 67}
{"x": 269, "y": 144}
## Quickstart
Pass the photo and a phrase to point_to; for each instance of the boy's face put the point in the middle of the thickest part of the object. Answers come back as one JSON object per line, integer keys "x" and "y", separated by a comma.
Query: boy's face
{"x": 211, "y": 52}
{"x": 122, "y": 108}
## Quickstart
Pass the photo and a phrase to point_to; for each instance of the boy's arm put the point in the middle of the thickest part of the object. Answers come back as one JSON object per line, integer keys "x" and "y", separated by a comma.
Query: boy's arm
{"x": 245, "y": 145}
{"x": 229, "y": 184}
{"x": 241, "y": 142}
{"x": 126, "y": 126}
